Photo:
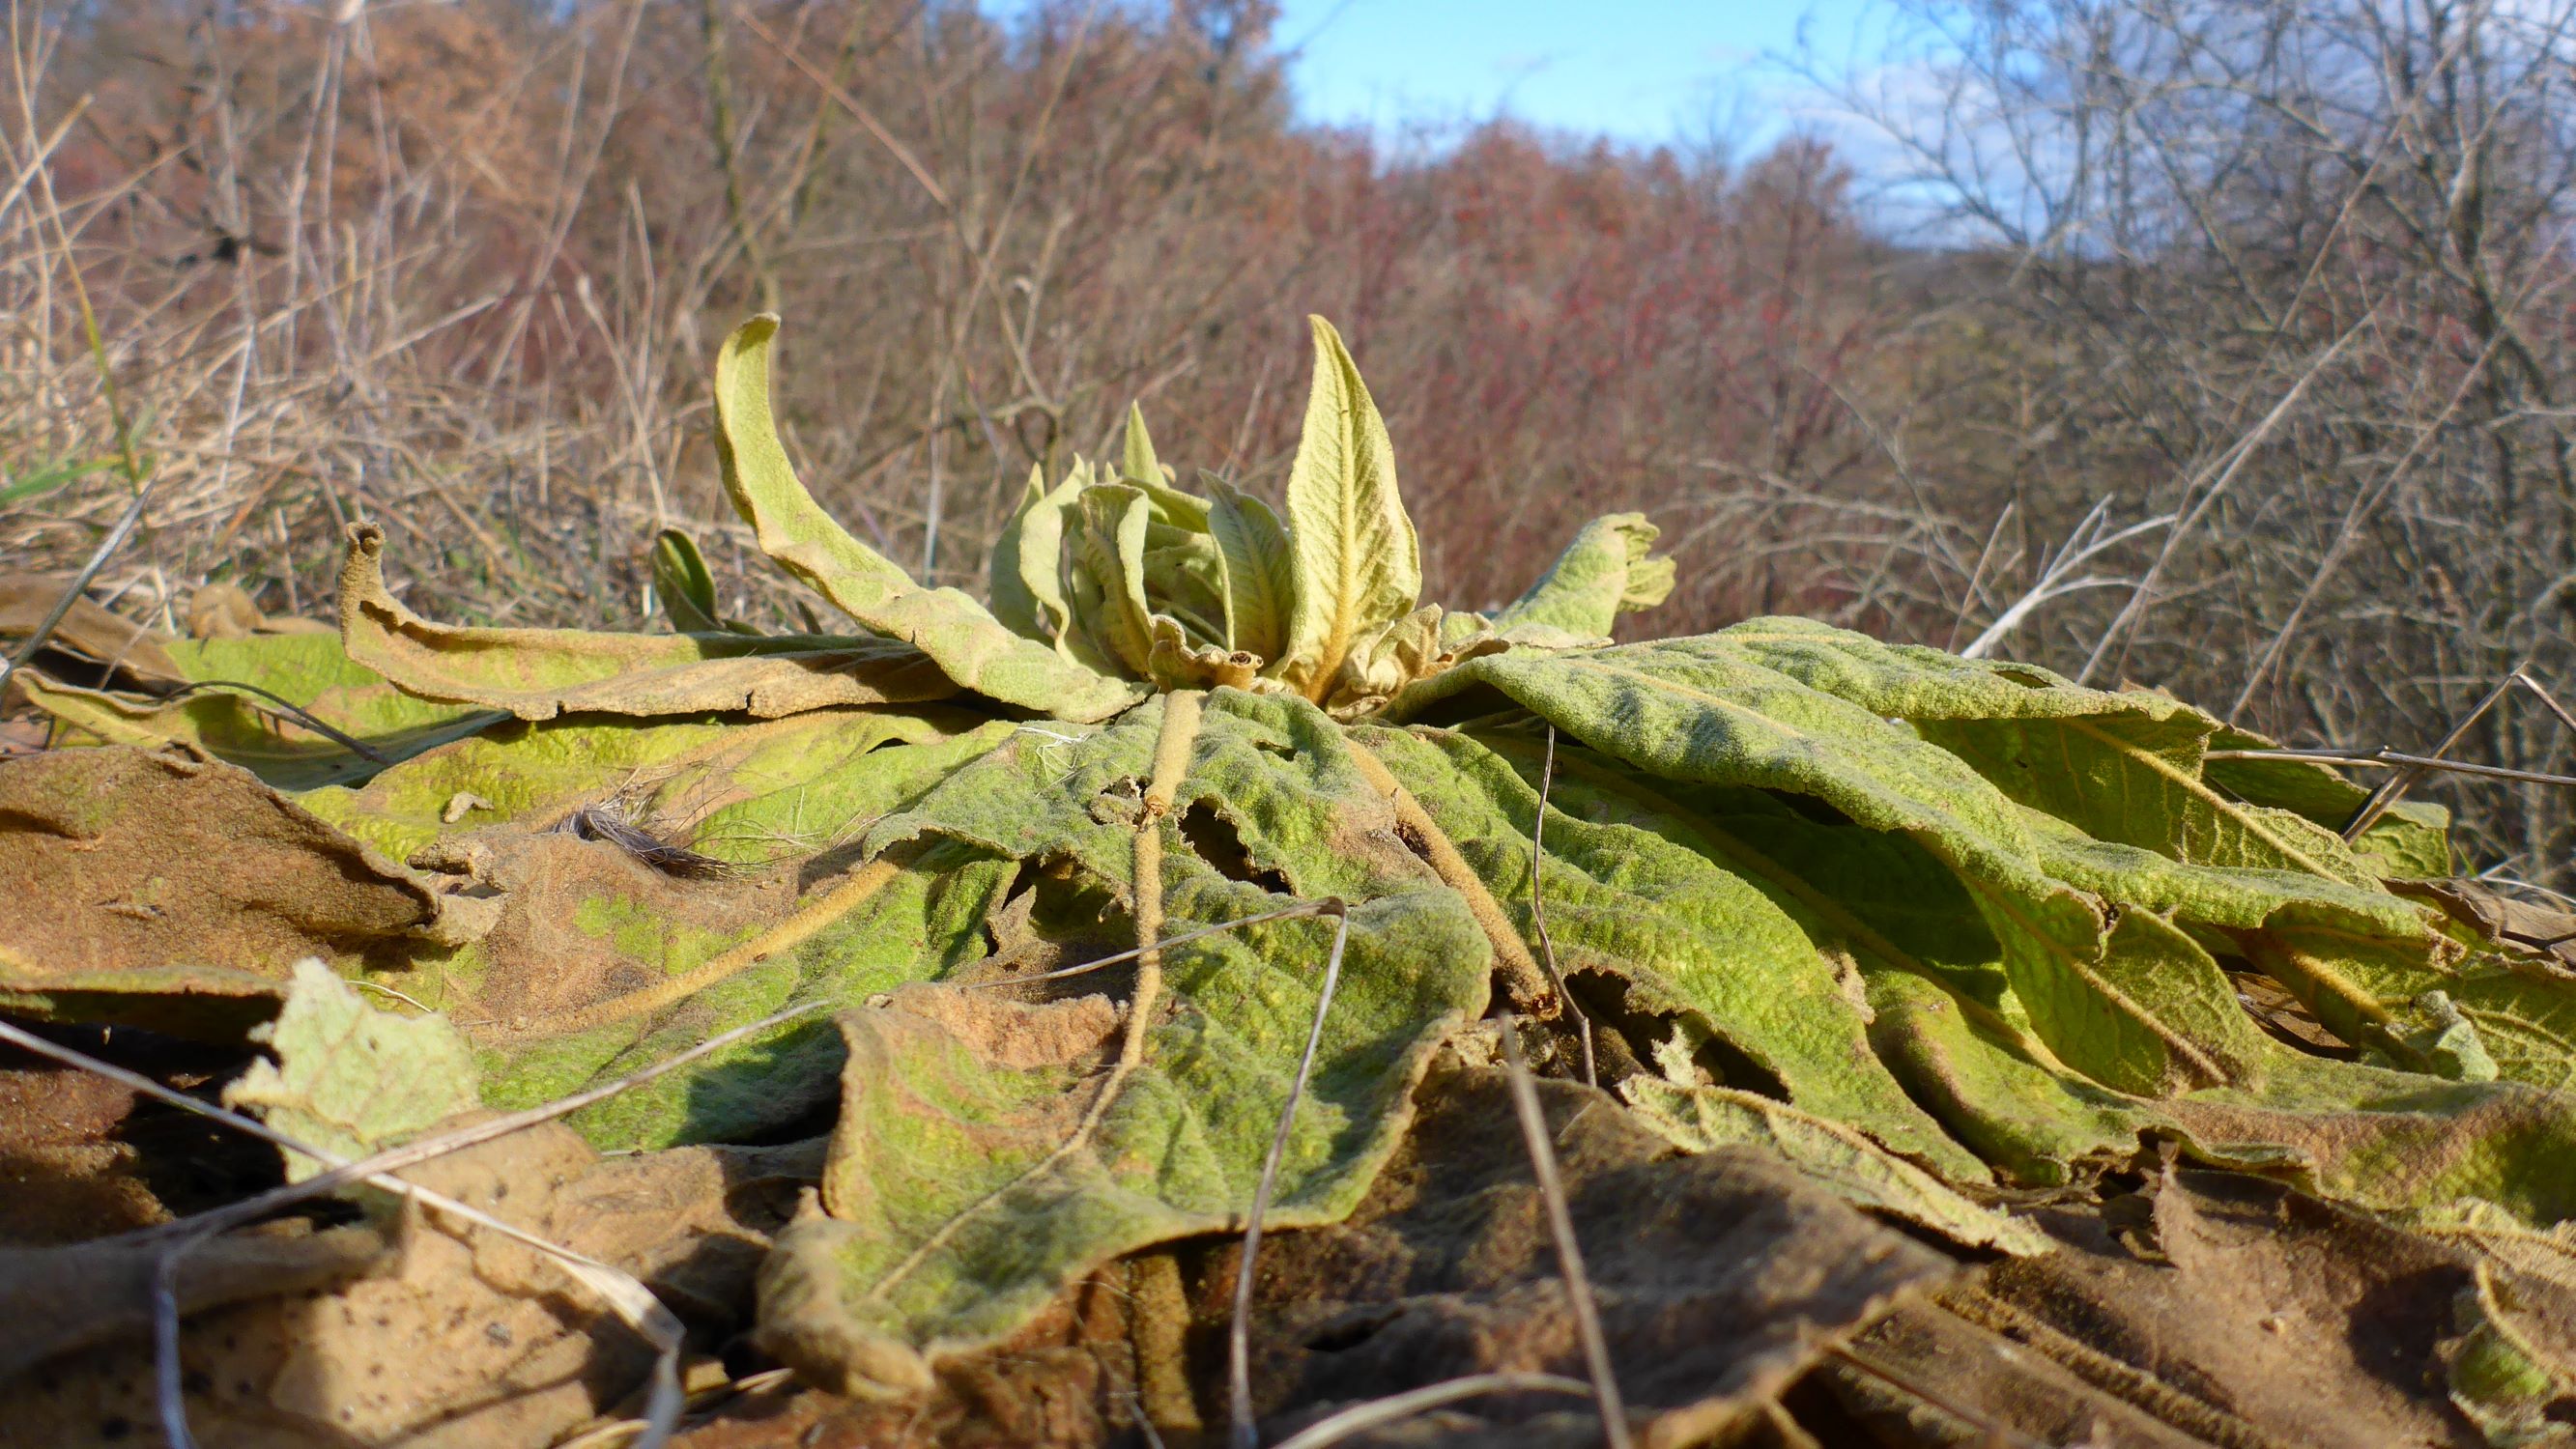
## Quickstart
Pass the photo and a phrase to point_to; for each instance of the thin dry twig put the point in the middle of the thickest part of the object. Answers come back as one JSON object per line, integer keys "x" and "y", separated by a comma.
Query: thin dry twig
{"x": 2413, "y": 767}
{"x": 1993, "y": 1433}
{"x": 1569, "y": 1254}
{"x": 1309, "y": 908}
{"x": 285, "y": 706}
{"x": 2385, "y": 758}
{"x": 1360, "y": 1418}
{"x": 1538, "y": 913}
{"x": 1238, "y": 1344}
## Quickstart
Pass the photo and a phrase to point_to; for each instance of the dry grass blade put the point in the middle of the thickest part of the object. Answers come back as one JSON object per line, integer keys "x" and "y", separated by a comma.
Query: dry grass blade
{"x": 1238, "y": 1346}
{"x": 2058, "y": 577}
{"x": 1569, "y": 1254}
{"x": 841, "y": 97}
{"x": 2396, "y": 785}
{"x": 116, "y": 537}
{"x": 1538, "y": 913}
{"x": 1360, "y": 1418}
{"x": 2548, "y": 701}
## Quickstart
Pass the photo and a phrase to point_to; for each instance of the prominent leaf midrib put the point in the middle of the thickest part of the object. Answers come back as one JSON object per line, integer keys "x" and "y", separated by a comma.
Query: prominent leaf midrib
{"x": 2193, "y": 785}
{"x": 1343, "y": 628}
{"x": 2175, "y": 1043}
{"x": 1173, "y": 745}
{"x": 1849, "y": 929}
{"x": 2512, "y": 1026}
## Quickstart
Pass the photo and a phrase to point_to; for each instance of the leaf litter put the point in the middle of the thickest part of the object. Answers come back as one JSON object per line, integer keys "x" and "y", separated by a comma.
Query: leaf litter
{"x": 930, "y": 1008}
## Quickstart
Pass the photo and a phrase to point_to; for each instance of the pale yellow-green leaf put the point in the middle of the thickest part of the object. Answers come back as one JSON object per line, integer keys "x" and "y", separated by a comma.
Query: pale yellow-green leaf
{"x": 1028, "y": 565}
{"x": 967, "y": 643}
{"x": 349, "y": 1078}
{"x": 1137, "y": 463}
{"x": 2502, "y": 1374}
{"x": 1260, "y": 582}
{"x": 249, "y": 728}
{"x": 1185, "y": 580}
{"x": 1701, "y": 1118}
{"x": 1608, "y": 570}
{"x": 1105, "y": 579}
{"x": 538, "y": 674}
{"x": 1355, "y": 559}
{"x": 687, "y": 591}
{"x": 1385, "y": 659}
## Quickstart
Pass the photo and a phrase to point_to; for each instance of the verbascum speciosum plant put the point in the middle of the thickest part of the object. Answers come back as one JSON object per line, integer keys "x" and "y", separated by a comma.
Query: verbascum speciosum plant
{"x": 1946, "y": 930}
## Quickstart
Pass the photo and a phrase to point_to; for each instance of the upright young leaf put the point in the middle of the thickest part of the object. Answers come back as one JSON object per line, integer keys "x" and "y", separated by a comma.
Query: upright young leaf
{"x": 1137, "y": 462}
{"x": 1185, "y": 582}
{"x": 1106, "y": 577}
{"x": 961, "y": 636}
{"x": 1027, "y": 568}
{"x": 1357, "y": 561}
{"x": 682, "y": 583}
{"x": 1260, "y": 578}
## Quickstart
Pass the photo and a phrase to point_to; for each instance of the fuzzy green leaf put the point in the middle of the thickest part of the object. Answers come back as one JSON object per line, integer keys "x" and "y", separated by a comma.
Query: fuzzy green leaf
{"x": 351, "y": 1079}
{"x": 1700, "y": 1119}
{"x": 1641, "y": 901}
{"x": 235, "y": 716}
{"x": 704, "y": 775}
{"x": 682, "y": 583}
{"x": 1260, "y": 581}
{"x": 2122, "y": 767}
{"x": 961, "y": 1195}
{"x": 1356, "y": 561}
{"x": 2411, "y": 840}
{"x": 1027, "y": 574}
{"x": 1607, "y": 571}
{"x": 963, "y": 639}
{"x": 1709, "y": 711}
{"x": 1137, "y": 463}
{"x": 1106, "y": 582}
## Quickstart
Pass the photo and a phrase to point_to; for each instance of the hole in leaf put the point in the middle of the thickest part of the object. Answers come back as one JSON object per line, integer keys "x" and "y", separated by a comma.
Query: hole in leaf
{"x": 1621, "y": 1039}
{"x": 1352, "y": 1330}
{"x": 1220, "y": 844}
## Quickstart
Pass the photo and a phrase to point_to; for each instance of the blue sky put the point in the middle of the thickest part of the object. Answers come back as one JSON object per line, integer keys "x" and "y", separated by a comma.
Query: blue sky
{"x": 1642, "y": 71}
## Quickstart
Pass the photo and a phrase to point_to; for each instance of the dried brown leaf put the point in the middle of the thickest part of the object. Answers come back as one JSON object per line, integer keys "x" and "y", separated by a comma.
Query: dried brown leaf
{"x": 86, "y": 629}
{"x": 139, "y": 886}
{"x": 538, "y": 674}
